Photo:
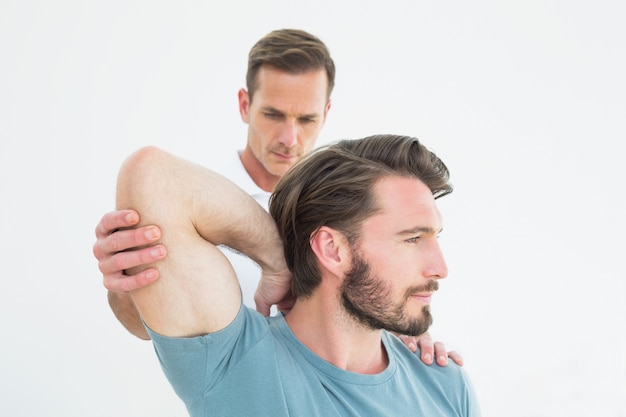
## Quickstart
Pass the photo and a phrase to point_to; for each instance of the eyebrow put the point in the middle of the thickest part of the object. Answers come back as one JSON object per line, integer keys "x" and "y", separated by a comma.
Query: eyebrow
{"x": 275, "y": 110}
{"x": 272, "y": 109}
{"x": 416, "y": 230}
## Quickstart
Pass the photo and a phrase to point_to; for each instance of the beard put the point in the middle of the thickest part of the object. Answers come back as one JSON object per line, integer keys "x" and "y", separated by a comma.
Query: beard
{"x": 368, "y": 300}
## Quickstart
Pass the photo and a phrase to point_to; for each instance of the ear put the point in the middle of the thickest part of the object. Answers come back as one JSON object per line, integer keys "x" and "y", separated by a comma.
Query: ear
{"x": 330, "y": 247}
{"x": 244, "y": 104}
{"x": 326, "y": 110}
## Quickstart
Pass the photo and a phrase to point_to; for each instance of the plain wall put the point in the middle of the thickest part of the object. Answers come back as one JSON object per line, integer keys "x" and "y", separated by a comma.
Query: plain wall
{"x": 524, "y": 100}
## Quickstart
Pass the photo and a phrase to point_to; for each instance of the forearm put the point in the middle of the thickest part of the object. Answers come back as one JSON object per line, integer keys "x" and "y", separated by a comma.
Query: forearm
{"x": 126, "y": 312}
{"x": 224, "y": 214}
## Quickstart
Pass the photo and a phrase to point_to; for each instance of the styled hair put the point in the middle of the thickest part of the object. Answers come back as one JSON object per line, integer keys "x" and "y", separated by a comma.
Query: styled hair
{"x": 293, "y": 51}
{"x": 333, "y": 186}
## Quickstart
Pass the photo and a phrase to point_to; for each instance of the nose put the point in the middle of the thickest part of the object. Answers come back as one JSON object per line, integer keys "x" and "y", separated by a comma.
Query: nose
{"x": 289, "y": 134}
{"x": 436, "y": 266}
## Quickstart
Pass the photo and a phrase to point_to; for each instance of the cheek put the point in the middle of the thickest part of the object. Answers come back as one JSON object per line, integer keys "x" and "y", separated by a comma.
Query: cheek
{"x": 383, "y": 262}
{"x": 309, "y": 136}
{"x": 262, "y": 133}
{"x": 392, "y": 265}
{"x": 307, "y": 147}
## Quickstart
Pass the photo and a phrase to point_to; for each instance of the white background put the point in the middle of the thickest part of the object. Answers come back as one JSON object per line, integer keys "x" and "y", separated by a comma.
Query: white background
{"x": 524, "y": 100}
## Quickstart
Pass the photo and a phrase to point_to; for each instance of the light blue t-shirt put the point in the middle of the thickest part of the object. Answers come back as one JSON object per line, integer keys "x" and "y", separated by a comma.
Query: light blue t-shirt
{"x": 257, "y": 367}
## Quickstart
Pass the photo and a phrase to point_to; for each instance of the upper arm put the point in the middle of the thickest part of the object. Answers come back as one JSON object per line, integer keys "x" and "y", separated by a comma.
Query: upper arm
{"x": 197, "y": 290}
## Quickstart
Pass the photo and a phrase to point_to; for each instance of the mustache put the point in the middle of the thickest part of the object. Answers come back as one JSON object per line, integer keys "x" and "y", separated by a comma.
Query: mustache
{"x": 294, "y": 151}
{"x": 430, "y": 286}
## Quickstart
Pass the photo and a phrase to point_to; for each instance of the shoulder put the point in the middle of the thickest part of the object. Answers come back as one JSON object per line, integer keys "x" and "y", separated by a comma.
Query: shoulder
{"x": 248, "y": 324}
{"x": 449, "y": 372}
{"x": 449, "y": 384}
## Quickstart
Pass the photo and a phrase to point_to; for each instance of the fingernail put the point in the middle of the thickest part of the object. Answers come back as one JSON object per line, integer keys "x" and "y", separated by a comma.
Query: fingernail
{"x": 151, "y": 275}
{"x": 157, "y": 252}
{"x": 412, "y": 346}
{"x": 427, "y": 357}
{"x": 152, "y": 233}
{"x": 443, "y": 359}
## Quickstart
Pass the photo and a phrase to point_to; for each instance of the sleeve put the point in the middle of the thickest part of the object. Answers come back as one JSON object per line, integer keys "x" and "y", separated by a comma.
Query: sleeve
{"x": 470, "y": 399}
{"x": 194, "y": 365}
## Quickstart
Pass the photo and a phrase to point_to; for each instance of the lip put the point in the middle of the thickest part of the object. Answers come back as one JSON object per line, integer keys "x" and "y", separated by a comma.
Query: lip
{"x": 284, "y": 157}
{"x": 423, "y": 297}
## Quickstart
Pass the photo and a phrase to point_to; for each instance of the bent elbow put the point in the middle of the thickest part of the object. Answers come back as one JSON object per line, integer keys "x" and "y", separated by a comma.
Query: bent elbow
{"x": 138, "y": 175}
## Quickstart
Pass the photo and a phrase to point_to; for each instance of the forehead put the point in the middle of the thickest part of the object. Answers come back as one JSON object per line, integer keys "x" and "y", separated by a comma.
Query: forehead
{"x": 282, "y": 90}
{"x": 405, "y": 204}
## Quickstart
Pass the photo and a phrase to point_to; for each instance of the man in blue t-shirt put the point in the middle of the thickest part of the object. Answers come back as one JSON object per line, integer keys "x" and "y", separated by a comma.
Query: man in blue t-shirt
{"x": 350, "y": 249}
{"x": 289, "y": 80}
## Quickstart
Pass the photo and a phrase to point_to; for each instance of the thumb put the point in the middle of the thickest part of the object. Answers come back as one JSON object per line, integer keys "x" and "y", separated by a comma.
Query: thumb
{"x": 261, "y": 305}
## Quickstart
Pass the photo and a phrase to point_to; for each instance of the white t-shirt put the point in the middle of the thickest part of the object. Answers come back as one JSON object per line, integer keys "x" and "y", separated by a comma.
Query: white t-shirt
{"x": 247, "y": 270}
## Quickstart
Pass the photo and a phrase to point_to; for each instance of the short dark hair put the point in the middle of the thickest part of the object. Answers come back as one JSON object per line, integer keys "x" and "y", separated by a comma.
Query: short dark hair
{"x": 332, "y": 187}
{"x": 290, "y": 50}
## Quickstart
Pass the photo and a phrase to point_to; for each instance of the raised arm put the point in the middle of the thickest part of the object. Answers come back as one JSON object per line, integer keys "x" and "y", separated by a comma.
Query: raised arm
{"x": 197, "y": 291}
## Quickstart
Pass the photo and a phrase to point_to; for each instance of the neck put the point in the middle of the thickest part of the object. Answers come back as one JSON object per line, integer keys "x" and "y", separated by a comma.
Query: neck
{"x": 329, "y": 332}
{"x": 257, "y": 172}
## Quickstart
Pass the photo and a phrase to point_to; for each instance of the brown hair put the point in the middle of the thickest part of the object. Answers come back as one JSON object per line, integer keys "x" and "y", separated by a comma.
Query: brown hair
{"x": 333, "y": 187}
{"x": 290, "y": 50}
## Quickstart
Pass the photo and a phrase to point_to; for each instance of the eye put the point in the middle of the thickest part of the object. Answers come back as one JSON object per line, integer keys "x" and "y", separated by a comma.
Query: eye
{"x": 307, "y": 120}
{"x": 413, "y": 239}
{"x": 272, "y": 115}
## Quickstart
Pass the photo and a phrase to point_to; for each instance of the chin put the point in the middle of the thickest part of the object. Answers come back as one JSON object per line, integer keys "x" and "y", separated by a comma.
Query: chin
{"x": 282, "y": 169}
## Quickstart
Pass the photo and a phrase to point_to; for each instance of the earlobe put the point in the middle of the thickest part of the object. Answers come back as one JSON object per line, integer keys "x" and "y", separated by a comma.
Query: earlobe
{"x": 244, "y": 104}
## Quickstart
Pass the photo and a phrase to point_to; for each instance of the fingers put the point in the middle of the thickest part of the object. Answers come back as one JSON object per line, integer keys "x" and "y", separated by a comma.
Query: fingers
{"x": 121, "y": 240}
{"x": 456, "y": 357}
{"x": 116, "y": 251}
{"x": 427, "y": 348}
{"x": 286, "y": 305}
{"x": 113, "y": 263}
{"x": 430, "y": 350}
{"x": 121, "y": 283}
{"x": 261, "y": 305}
{"x": 112, "y": 268}
{"x": 274, "y": 289}
{"x": 116, "y": 220}
{"x": 409, "y": 341}
{"x": 108, "y": 239}
{"x": 111, "y": 243}
{"x": 441, "y": 354}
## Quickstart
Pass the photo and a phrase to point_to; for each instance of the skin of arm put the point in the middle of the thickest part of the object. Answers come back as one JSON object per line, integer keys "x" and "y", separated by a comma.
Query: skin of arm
{"x": 197, "y": 291}
{"x": 125, "y": 311}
